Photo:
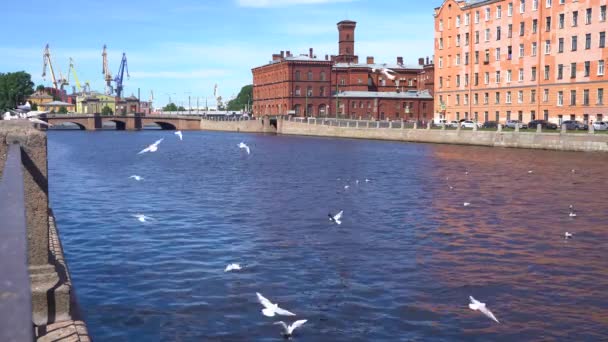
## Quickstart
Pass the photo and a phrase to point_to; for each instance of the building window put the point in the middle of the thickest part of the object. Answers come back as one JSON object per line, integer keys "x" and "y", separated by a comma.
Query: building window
{"x": 532, "y": 96}
{"x": 509, "y": 30}
{"x": 497, "y": 115}
{"x": 476, "y": 98}
{"x": 603, "y": 13}
{"x": 440, "y": 62}
{"x": 508, "y": 115}
{"x": 520, "y": 96}
{"x": 309, "y": 91}
{"x": 560, "y": 71}
{"x": 548, "y": 3}
{"x": 322, "y": 91}
{"x": 457, "y": 40}
{"x": 521, "y": 50}
{"x": 600, "y": 96}
{"x": 587, "y": 68}
{"x": 476, "y": 79}
{"x": 309, "y": 76}
{"x": 547, "y": 72}
{"x": 545, "y": 95}
{"x": 588, "y": 16}
{"x": 574, "y": 43}
{"x": 466, "y": 80}
{"x": 546, "y": 115}
{"x": 547, "y": 47}
{"x": 573, "y": 97}
{"x": 466, "y": 39}
{"x": 343, "y": 81}
{"x": 522, "y": 27}
{"x": 600, "y": 68}
{"x": 509, "y": 11}
{"x": 457, "y": 99}
{"x": 476, "y": 17}
{"x": 534, "y": 49}
{"x": 497, "y": 54}
{"x": 298, "y": 91}
{"x": 509, "y": 74}
{"x": 487, "y": 16}
{"x": 588, "y": 41}
{"x": 297, "y": 75}
{"x": 487, "y": 35}
{"x": 322, "y": 75}
{"x": 602, "y": 39}
{"x": 487, "y": 57}
{"x": 534, "y": 25}
{"x": 498, "y": 12}
{"x": 466, "y": 58}
{"x": 457, "y": 21}
{"x": 457, "y": 80}
{"x": 486, "y": 98}
{"x": 533, "y": 78}
{"x": 466, "y": 99}
{"x": 457, "y": 59}
{"x": 467, "y": 18}
{"x": 534, "y": 5}
{"x": 560, "y": 45}
{"x": 522, "y": 6}
{"x": 486, "y": 77}
{"x": 508, "y": 99}
{"x": 560, "y": 98}
{"x": 548, "y": 24}
{"x": 575, "y": 18}
{"x": 498, "y": 76}
{"x": 497, "y": 97}
{"x": 476, "y": 57}
{"x": 441, "y": 43}
{"x": 585, "y": 97}
{"x": 498, "y": 33}
{"x": 521, "y": 75}
{"x": 572, "y": 70}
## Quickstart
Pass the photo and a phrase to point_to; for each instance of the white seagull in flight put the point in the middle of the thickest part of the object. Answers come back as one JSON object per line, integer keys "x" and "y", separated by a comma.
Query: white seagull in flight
{"x": 567, "y": 235}
{"x": 179, "y": 134}
{"x": 290, "y": 328}
{"x": 233, "y": 267}
{"x": 142, "y": 217}
{"x": 466, "y": 204}
{"x": 390, "y": 74}
{"x": 477, "y": 305}
{"x": 242, "y": 145}
{"x": 152, "y": 148}
{"x": 136, "y": 177}
{"x": 40, "y": 122}
{"x": 271, "y": 309}
{"x": 336, "y": 218}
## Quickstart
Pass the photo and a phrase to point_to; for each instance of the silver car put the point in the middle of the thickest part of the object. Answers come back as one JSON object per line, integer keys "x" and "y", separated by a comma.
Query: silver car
{"x": 600, "y": 126}
{"x": 514, "y": 123}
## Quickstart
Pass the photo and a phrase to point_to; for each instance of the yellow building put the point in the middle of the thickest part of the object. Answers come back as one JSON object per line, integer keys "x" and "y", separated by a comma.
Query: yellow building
{"x": 54, "y": 106}
{"x": 94, "y": 103}
{"x": 39, "y": 98}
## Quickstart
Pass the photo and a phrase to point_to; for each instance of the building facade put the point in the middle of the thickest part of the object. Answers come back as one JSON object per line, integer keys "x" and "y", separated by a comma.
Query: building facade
{"x": 499, "y": 60}
{"x": 341, "y": 86}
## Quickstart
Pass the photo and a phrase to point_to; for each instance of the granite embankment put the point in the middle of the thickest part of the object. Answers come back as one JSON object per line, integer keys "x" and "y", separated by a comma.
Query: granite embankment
{"x": 396, "y": 131}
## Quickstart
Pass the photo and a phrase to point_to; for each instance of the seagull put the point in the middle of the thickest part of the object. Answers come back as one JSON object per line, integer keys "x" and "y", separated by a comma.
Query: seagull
{"x": 572, "y": 213}
{"x": 271, "y": 309}
{"x": 40, "y": 122}
{"x": 142, "y": 217}
{"x": 233, "y": 267}
{"x": 357, "y": 181}
{"x": 367, "y": 180}
{"x": 242, "y": 145}
{"x": 530, "y": 171}
{"x": 346, "y": 187}
{"x": 179, "y": 134}
{"x": 466, "y": 172}
{"x": 451, "y": 187}
{"x": 477, "y": 305}
{"x": 573, "y": 171}
{"x": 567, "y": 235}
{"x": 136, "y": 177}
{"x": 466, "y": 204}
{"x": 290, "y": 328}
{"x": 336, "y": 218}
{"x": 152, "y": 148}
{"x": 390, "y": 74}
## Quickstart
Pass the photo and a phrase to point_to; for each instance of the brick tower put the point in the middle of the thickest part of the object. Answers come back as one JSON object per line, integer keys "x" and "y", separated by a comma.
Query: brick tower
{"x": 346, "y": 43}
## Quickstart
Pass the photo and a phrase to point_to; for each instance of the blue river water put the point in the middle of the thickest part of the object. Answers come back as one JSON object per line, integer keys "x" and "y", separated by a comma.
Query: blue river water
{"x": 400, "y": 267}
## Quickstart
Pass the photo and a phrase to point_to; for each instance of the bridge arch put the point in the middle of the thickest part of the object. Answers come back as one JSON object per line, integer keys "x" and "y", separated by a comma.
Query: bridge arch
{"x": 76, "y": 123}
{"x": 120, "y": 125}
{"x": 166, "y": 125}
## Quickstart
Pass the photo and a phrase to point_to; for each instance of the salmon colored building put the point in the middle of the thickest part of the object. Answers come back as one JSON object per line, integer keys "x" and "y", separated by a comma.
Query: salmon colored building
{"x": 521, "y": 59}
{"x": 343, "y": 86}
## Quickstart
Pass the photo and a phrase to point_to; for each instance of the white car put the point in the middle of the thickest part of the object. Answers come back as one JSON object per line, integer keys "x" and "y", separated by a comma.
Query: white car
{"x": 600, "y": 126}
{"x": 469, "y": 124}
{"x": 453, "y": 124}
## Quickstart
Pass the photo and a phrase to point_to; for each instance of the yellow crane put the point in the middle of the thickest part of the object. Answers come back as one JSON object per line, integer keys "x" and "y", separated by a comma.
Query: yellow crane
{"x": 46, "y": 60}
{"x": 106, "y": 72}
{"x": 73, "y": 70}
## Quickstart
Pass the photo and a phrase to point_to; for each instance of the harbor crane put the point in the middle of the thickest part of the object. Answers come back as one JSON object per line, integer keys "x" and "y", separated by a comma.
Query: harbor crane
{"x": 73, "y": 71}
{"x": 119, "y": 76}
{"x": 46, "y": 61}
{"x": 107, "y": 75}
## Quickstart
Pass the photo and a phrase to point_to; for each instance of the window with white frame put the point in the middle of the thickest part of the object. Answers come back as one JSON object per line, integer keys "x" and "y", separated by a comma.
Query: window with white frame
{"x": 545, "y": 95}
{"x": 476, "y": 17}
{"x": 521, "y": 50}
{"x": 497, "y": 54}
{"x": 548, "y": 3}
{"x": 600, "y": 68}
{"x": 486, "y": 98}
{"x": 508, "y": 99}
{"x": 510, "y": 9}
{"x": 603, "y": 13}
{"x": 509, "y": 76}
{"x": 457, "y": 21}
{"x": 547, "y": 46}
{"x": 533, "y": 96}
{"x": 522, "y": 6}
{"x": 457, "y": 59}
{"x": 588, "y": 14}
{"x": 440, "y": 62}
{"x": 533, "y": 49}
{"x": 467, "y": 18}
{"x": 487, "y": 16}
{"x": 486, "y": 77}
{"x": 487, "y": 35}
{"x": 498, "y": 12}
{"x": 560, "y": 98}
{"x": 521, "y": 75}
{"x": 520, "y": 96}
{"x": 534, "y": 5}
{"x": 498, "y": 76}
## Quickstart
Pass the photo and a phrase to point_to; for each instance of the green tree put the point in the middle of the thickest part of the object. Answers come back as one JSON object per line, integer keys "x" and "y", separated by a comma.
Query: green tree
{"x": 171, "y": 107}
{"x": 106, "y": 110}
{"x": 62, "y": 110}
{"x": 34, "y": 106}
{"x": 40, "y": 88}
{"x": 243, "y": 99}
{"x": 181, "y": 109}
{"x": 15, "y": 87}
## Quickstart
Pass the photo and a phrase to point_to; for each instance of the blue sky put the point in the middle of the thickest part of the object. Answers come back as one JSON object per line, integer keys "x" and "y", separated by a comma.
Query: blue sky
{"x": 182, "y": 48}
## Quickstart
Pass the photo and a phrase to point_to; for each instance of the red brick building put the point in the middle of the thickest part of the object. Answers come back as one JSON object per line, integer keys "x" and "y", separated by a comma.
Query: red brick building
{"x": 306, "y": 85}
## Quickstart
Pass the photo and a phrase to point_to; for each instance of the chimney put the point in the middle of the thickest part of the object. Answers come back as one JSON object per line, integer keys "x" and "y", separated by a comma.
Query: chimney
{"x": 310, "y": 52}
{"x": 400, "y": 60}
{"x": 282, "y": 54}
{"x": 370, "y": 59}
{"x": 420, "y": 61}
{"x": 288, "y": 53}
{"x": 326, "y": 57}
{"x": 276, "y": 57}
{"x": 427, "y": 60}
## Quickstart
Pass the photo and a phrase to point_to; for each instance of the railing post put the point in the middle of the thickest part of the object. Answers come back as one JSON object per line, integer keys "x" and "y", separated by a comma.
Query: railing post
{"x": 564, "y": 129}
{"x": 416, "y": 125}
{"x": 377, "y": 124}
{"x": 591, "y": 128}
{"x": 539, "y": 128}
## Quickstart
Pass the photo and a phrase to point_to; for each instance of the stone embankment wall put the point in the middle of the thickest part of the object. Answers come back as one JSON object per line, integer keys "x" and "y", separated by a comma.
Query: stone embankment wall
{"x": 261, "y": 125}
{"x": 534, "y": 140}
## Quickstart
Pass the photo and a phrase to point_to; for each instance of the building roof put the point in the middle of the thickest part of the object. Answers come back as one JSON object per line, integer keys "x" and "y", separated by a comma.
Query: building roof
{"x": 40, "y": 96}
{"x": 410, "y": 94}
{"x": 56, "y": 103}
{"x": 393, "y": 66}
{"x": 132, "y": 98}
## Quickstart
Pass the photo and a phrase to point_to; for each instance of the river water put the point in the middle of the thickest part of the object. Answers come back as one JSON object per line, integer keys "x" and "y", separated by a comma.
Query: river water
{"x": 399, "y": 268}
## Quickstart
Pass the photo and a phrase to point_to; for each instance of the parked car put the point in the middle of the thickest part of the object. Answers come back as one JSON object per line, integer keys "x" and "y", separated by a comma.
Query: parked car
{"x": 469, "y": 124}
{"x": 440, "y": 122}
{"x": 573, "y": 124}
{"x": 514, "y": 123}
{"x": 490, "y": 124}
{"x": 600, "y": 126}
{"x": 544, "y": 124}
{"x": 453, "y": 124}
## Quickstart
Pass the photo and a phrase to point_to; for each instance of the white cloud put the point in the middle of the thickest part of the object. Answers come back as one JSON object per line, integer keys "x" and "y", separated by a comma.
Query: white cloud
{"x": 284, "y": 3}
{"x": 194, "y": 74}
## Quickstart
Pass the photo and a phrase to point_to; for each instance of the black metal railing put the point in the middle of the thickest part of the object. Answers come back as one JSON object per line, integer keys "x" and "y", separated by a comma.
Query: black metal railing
{"x": 15, "y": 292}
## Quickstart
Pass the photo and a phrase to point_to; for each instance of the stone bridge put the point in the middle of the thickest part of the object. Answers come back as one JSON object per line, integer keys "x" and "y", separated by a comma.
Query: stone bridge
{"x": 92, "y": 122}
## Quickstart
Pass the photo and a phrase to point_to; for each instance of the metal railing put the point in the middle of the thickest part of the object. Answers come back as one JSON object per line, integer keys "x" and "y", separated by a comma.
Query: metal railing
{"x": 15, "y": 292}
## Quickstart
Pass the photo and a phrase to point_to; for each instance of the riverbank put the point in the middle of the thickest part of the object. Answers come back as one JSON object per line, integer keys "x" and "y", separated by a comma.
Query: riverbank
{"x": 398, "y": 131}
